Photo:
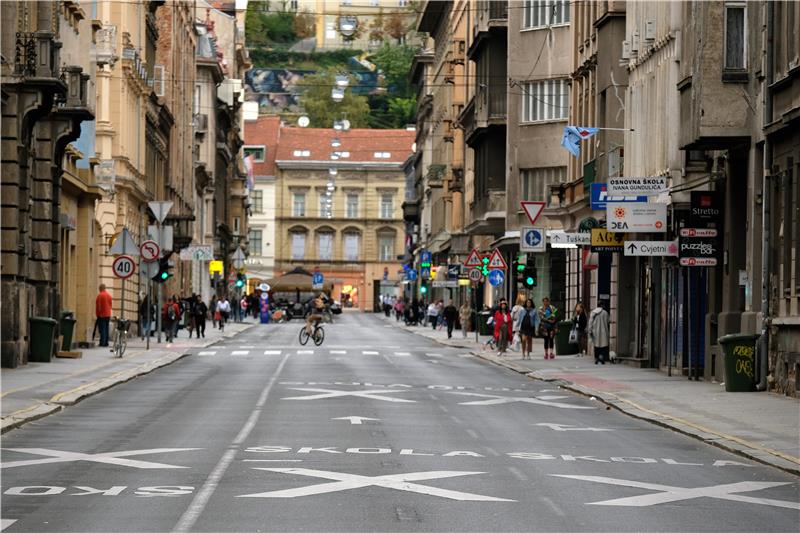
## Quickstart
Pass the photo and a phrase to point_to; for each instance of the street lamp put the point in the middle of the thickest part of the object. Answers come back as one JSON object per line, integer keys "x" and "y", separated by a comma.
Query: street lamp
{"x": 348, "y": 26}
{"x": 303, "y": 121}
{"x": 342, "y": 80}
{"x": 335, "y": 155}
{"x": 336, "y": 142}
{"x": 337, "y": 94}
{"x": 333, "y": 171}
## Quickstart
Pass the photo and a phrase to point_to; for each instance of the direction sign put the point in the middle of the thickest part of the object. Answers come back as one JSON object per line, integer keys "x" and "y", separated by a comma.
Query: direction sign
{"x": 652, "y": 248}
{"x": 532, "y": 210}
{"x": 425, "y": 273}
{"x": 453, "y": 271}
{"x": 425, "y": 257}
{"x": 562, "y": 238}
{"x": 123, "y": 267}
{"x": 411, "y": 275}
{"x": 607, "y": 241}
{"x": 198, "y": 252}
{"x": 149, "y": 251}
{"x": 473, "y": 259}
{"x": 475, "y": 275}
{"x": 637, "y": 186}
{"x": 496, "y": 260}
{"x": 532, "y": 240}
{"x": 317, "y": 280}
{"x": 160, "y": 210}
{"x": 451, "y": 283}
{"x": 497, "y": 277}
{"x": 124, "y": 245}
{"x": 636, "y": 217}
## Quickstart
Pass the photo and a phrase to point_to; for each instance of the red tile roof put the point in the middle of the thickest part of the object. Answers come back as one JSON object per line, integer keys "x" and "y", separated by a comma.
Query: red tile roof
{"x": 362, "y": 144}
{"x": 264, "y": 131}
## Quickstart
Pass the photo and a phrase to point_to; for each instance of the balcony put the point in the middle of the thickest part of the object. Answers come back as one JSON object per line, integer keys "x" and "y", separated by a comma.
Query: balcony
{"x": 488, "y": 213}
{"x": 36, "y": 55}
{"x": 411, "y": 210}
{"x": 491, "y": 20}
{"x": 486, "y": 109}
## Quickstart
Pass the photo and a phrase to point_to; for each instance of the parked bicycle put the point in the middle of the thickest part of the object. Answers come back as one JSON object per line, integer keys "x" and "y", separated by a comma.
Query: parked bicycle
{"x": 121, "y": 329}
{"x": 317, "y": 335}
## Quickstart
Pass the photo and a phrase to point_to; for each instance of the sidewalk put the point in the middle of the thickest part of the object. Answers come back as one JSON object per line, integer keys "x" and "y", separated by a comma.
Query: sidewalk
{"x": 761, "y": 426}
{"x": 38, "y": 389}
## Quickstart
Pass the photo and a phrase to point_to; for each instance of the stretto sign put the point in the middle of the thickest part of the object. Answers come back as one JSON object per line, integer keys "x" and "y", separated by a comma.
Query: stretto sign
{"x": 637, "y": 186}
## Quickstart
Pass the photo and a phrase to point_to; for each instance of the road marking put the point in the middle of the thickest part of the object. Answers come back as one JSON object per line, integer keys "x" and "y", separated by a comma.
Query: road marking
{"x": 247, "y": 346}
{"x": 364, "y": 352}
{"x": 305, "y": 352}
{"x": 497, "y": 400}
{"x": 556, "y": 509}
{"x": 339, "y": 352}
{"x": 240, "y": 352}
{"x": 272, "y": 460}
{"x": 465, "y": 355}
{"x": 5, "y": 522}
{"x": 668, "y": 493}
{"x": 518, "y": 474}
{"x": 112, "y": 458}
{"x": 433, "y": 354}
{"x": 400, "y": 482}
{"x": 272, "y": 352}
{"x": 195, "y": 509}
{"x": 402, "y": 354}
{"x": 328, "y": 393}
{"x": 355, "y": 420}
{"x": 567, "y": 427}
{"x": 207, "y": 353}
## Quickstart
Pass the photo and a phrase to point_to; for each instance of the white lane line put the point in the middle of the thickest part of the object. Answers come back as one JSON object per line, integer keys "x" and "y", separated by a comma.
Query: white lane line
{"x": 272, "y": 352}
{"x": 207, "y": 353}
{"x": 365, "y": 352}
{"x": 465, "y": 355}
{"x": 240, "y": 352}
{"x": 402, "y": 354}
{"x": 199, "y": 502}
{"x": 5, "y": 522}
{"x": 339, "y": 352}
{"x": 248, "y": 346}
{"x": 272, "y": 460}
{"x": 433, "y": 354}
{"x": 305, "y": 352}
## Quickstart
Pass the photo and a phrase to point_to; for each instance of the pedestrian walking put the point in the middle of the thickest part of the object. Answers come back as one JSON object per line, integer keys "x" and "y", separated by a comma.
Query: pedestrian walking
{"x": 519, "y": 305}
{"x": 599, "y": 321}
{"x": 224, "y": 308}
{"x": 464, "y": 314}
{"x": 387, "y": 305}
{"x": 526, "y": 324}
{"x": 450, "y": 314}
{"x": 547, "y": 327}
{"x": 502, "y": 327}
{"x": 102, "y": 307}
{"x": 146, "y": 316}
{"x": 440, "y": 313}
{"x": 399, "y": 307}
{"x": 579, "y": 321}
{"x": 433, "y": 315}
{"x": 200, "y": 311}
{"x": 243, "y": 306}
{"x": 212, "y": 307}
{"x": 171, "y": 314}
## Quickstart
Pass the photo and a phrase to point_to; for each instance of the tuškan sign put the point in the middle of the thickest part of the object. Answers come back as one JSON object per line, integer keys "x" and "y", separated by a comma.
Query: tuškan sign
{"x": 532, "y": 240}
{"x": 706, "y": 209}
{"x": 652, "y": 248}
{"x": 564, "y": 238}
{"x": 636, "y": 217}
{"x": 450, "y": 283}
{"x": 650, "y": 186}
{"x": 607, "y": 241}
{"x": 599, "y": 197}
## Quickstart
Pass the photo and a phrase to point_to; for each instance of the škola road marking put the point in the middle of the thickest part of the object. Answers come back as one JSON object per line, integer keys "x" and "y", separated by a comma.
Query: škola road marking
{"x": 497, "y": 400}
{"x": 327, "y": 393}
{"x": 668, "y": 493}
{"x": 343, "y": 481}
{"x": 112, "y": 458}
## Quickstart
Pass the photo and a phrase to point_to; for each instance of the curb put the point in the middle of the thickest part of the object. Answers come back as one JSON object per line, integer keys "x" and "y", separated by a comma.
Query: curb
{"x": 67, "y": 398}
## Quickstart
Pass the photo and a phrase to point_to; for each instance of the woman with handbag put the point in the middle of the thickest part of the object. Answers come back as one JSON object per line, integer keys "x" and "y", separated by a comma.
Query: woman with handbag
{"x": 547, "y": 327}
{"x": 502, "y": 327}
{"x": 527, "y": 323}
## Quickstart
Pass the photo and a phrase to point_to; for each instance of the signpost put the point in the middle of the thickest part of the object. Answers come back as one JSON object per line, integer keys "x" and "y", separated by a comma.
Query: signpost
{"x": 411, "y": 275}
{"x": 572, "y": 239}
{"x": 160, "y": 210}
{"x": 699, "y": 247}
{"x": 198, "y": 252}
{"x": 124, "y": 245}
{"x": 496, "y": 261}
{"x": 123, "y": 267}
{"x": 317, "y": 280}
{"x": 532, "y": 240}
{"x": 598, "y": 197}
{"x": 473, "y": 259}
{"x": 637, "y": 186}
{"x": 150, "y": 251}
{"x": 636, "y": 217}
{"x": 652, "y": 248}
{"x": 453, "y": 271}
{"x": 475, "y": 275}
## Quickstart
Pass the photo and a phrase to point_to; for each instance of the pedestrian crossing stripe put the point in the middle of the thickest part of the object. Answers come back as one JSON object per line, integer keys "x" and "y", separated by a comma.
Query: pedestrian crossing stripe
{"x": 305, "y": 352}
{"x": 339, "y": 352}
{"x": 402, "y": 354}
{"x": 433, "y": 354}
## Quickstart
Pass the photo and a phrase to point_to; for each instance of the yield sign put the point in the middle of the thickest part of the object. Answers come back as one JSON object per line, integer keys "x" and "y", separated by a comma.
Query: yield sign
{"x": 160, "y": 210}
{"x": 124, "y": 245}
{"x": 532, "y": 210}
{"x": 474, "y": 259}
{"x": 496, "y": 261}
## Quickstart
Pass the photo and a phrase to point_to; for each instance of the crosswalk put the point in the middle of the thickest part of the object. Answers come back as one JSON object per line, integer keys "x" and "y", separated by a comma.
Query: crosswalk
{"x": 241, "y": 351}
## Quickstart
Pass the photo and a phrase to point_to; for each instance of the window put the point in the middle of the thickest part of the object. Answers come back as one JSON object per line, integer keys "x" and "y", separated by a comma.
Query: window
{"x": 301, "y": 153}
{"x": 386, "y": 247}
{"x": 351, "y": 246}
{"x": 323, "y": 204}
{"x": 535, "y": 183}
{"x": 543, "y": 13}
{"x": 196, "y": 103}
{"x": 374, "y": 3}
{"x": 237, "y": 223}
{"x": 325, "y": 246}
{"x": 299, "y": 205}
{"x": 258, "y": 152}
{"x": 735, "y": 28}
{"x": 352, "y": 205}
{"x": 254, "y": 241}
{"x": 387, "y": 206}
{"x": 298, "y": 246}
{"x": 545, "y": 100}
{"x": 258, "y": 201}
{"x": 402, "y": 3}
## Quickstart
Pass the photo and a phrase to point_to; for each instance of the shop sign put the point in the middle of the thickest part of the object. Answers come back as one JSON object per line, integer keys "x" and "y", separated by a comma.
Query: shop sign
{"x": 636, "y": 218}
{"x": 698, "y": 251}
{"x": 651, "y": 248}
{"x": 607, "y": 241}
{"x": 706, "y": 210}
{"x": 637, "y": 186}
{"x": 598, "y": 196}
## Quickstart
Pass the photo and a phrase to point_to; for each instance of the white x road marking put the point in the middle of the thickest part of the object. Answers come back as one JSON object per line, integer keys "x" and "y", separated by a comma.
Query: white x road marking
{"x": 669, "y": 493}
{"x": 496, "y": 400}
{"x": 112, "y": 458}
{"x": 327, "y": 393}
{"x": 344, "y": 481}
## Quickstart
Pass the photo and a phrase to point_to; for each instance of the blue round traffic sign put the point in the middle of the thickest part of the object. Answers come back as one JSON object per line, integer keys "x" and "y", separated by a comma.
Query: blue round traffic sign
{"x": 411, "y": 275}
{"x": 496, "y": 277}
{"x": 533, "y": 237}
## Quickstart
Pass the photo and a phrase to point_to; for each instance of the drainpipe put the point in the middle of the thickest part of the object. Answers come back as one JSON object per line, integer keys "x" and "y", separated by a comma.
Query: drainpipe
{"x": 766, "y": 199}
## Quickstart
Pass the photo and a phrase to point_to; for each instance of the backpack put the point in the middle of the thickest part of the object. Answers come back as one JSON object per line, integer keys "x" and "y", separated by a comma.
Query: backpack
{"x": 171, "y": 312}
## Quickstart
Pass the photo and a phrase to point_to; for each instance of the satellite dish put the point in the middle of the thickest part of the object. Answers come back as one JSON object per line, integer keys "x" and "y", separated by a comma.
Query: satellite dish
{"x": 303, "y": 121}
{"x": 345, "y": 124}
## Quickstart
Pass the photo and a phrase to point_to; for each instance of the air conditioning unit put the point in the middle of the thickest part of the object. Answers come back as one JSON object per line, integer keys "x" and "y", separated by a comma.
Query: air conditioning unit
{"x": 626, "y": 49}
{"x": 200, "y": 123}
{"x": 635, "y": 42}
{"x": 650, "y": 30}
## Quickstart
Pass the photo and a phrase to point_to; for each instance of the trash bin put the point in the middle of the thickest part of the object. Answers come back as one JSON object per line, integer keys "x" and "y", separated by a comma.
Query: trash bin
{"x": 483, "y": 327}
{"x": 563, "y": 346}
{"x": 67, "y": 329}
{"x": 41, "y": 335}
{"x": 740, "y": 361}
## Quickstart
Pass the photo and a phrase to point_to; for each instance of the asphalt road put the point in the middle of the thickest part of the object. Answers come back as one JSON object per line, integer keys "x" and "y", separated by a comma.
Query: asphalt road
{"x": 256, "y": 434}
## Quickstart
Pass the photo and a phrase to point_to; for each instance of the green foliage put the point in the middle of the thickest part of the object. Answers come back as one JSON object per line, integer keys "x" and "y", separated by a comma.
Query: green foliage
{"x": 323, "y": 111}
{"x": 264, "y": 28}
{"x": 264, "y": 58}
{"x": 395, "y": 62}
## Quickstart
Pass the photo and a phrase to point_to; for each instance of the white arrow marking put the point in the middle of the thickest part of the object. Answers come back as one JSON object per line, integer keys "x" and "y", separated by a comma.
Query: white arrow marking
{"x": 355, "y": 420}
{"x": 344, "y": 481}
{"x": 567, "y": 427}
{"x": 5, "y": 522}
{"x": 668, "y": 493}
{"x": 112, "y": 458}
{"x": 327, "y": 393}
{"x": 497, "y": 400}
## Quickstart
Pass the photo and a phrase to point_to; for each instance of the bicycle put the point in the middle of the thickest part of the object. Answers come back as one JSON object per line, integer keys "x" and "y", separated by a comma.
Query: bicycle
{"x": 120, "y": 336}
{"x": 318, "y": 335}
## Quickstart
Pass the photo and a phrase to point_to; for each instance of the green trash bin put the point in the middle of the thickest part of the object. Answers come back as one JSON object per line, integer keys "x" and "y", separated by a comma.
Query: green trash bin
{"x": 740, "y": 361}
{"x": 563, "y": 346}
{"x": 67, "y": 323}
{"x": 42, "y": 333}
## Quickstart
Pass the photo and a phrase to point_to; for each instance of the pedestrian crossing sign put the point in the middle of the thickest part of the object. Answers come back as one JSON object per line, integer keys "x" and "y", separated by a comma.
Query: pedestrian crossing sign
{"x": 474, "y": 259}
{"x": 496, "y": 261}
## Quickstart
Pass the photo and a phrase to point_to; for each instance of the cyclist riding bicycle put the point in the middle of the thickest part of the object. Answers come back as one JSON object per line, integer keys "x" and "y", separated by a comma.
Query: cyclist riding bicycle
{"x": 315, "y": 316}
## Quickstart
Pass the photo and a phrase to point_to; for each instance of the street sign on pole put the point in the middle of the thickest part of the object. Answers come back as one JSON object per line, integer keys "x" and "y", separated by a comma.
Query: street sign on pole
{"x": 497, "y": 277}
{"x": 473, "y": 259}
{"x": 317, "y": 281}
{"x": 574, "y": 239}
{"x": 652, "y": 248}
{"x": 475, "y": 275}
{"x": 149, "y": 251}
{"x": 199, "y": 252}
{"x": 624, "y": 186}
{"x": 160, "y": 210}
{"x": 532, "y": 240}
{"x": 124, "y": 245}
{"x": 636, "y": 217}
{"x": 123, "y": 267}
{"x": 532, "y": 210}
{"x": 238, "y": 259}
{"x": 496, "y": 261}
{"x": 149, "y": 269}
{"x": 215, "y": 267}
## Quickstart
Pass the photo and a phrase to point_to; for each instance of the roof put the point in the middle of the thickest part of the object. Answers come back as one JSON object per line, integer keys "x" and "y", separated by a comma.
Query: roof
{"x": 357, "y": 145}
{"x": 264, "y": 131}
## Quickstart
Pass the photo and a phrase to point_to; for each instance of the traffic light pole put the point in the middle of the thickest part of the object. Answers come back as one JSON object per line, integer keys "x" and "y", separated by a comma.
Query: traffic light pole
{"x": 158, "y": 297}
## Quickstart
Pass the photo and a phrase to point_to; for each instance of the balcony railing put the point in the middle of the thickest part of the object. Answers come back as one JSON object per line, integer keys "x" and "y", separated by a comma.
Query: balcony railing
{"x": 36, "y": 54}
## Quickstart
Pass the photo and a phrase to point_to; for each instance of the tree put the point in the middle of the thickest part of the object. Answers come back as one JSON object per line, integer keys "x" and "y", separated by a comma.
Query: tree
{"x": 395, "y": 63}
{"x": 376, "y": 31}
{"x": 304, "y": 25}
{"x": 397, "y": 26}
{"x": 322, "y": 110}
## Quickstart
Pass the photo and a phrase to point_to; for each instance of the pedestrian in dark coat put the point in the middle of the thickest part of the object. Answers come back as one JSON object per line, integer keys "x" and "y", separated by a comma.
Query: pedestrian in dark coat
{"x": 200, "y": 311}
{"x": 450, "y": 316}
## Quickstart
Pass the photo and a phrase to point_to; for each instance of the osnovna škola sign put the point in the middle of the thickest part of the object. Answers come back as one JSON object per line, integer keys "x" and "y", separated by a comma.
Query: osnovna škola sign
{"x": 636, "y": 186}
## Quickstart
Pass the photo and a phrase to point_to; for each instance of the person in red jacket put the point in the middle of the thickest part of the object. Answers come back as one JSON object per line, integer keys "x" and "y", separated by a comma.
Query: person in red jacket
{"x": 171, "y": 316}
{"x": 102, "y": 307}
{"x": 502, "y": 327}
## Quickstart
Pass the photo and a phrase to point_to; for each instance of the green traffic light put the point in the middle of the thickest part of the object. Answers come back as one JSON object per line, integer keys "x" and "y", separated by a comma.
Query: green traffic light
{"x": 520, "y": 267}
{"x": 423, "y": 289}
{"x": 164, "y": 275}
{"x": 239, "y": 283}
{"x": 529, "y": 281}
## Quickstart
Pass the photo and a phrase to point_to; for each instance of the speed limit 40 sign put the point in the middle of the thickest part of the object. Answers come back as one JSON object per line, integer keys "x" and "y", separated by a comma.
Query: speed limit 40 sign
{"x": 123, "y": 266}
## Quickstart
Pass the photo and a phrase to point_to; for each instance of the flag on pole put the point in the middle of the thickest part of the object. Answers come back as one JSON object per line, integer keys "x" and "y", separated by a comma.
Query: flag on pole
{"x": 571, "y": 140}
{"x": 248, "y": 165}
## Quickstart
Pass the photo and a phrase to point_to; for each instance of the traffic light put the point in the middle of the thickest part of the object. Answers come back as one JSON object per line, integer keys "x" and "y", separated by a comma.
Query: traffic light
{"x": 485, "y": 265}
{"x": 530, "y": 277}
{"x": 423, "y": 288}
{"x": 164, "y": 267}
{"x": 519, "y": 267}
{"x": 434, "y": 271}
{"x": 241, "y": 279}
